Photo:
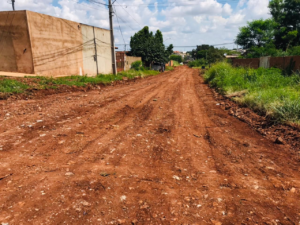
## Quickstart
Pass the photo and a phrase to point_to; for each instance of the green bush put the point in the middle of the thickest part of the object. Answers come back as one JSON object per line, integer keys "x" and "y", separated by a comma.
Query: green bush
{"x": 268, "y": 91}
{"x": 197, "y": 63}
{"x": 136, "y": 65}
{"x": 176, "y": 58}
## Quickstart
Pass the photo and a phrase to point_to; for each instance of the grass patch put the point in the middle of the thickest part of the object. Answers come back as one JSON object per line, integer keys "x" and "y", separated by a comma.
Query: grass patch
{"x": 267, "y": 90}
{"x": 39, "y": 82}
{"x": 12, "y": 86}
{"x": 169, "y": 68}
{"x": 175, "y": 63}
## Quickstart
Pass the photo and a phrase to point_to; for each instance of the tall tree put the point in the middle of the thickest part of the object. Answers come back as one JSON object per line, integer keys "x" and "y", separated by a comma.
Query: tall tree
{"x": 286, "y": 14}
{"x": 256, "y": 34}
{"x": 150, "y": 47}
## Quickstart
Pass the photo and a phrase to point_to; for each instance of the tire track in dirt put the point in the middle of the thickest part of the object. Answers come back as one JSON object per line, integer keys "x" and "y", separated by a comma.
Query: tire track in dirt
{"x": 158, "y": 151}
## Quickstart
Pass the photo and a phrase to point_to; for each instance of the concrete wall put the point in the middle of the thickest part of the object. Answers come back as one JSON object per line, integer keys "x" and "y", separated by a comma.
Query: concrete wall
{"x": 129, "y": 60}
{"x": 264, "y": 62}
{"x": 104, "y": 51}
{"x": 15, "y": 50}
{"x": 56, "y": 45}
{"x": 44, "y": 45}
{"x": 104, "y": 59}
{"x": 88, "y": 51}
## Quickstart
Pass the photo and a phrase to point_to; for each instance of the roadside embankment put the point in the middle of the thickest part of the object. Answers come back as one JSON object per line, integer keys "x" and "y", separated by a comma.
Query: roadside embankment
{"x": 266, "y": 91}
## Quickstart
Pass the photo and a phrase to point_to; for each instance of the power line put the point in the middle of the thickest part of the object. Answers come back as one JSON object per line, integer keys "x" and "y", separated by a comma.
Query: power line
{"x": 96, "y": 2}
{"x": 171, "y": 4}
{"x": 127, "y": 23}
{"x": 130, "y": 15}
{"x": 192, "y": 46}
{"x": 120, "y": 26}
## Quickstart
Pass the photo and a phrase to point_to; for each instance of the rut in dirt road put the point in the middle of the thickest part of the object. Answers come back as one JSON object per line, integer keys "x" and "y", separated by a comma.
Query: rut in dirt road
{"x": 157, "y": 151}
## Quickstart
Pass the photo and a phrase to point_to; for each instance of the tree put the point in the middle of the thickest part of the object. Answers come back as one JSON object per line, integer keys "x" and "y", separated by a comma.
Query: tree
{"x": 256, "y": 34}
{"x": 267, "y": 50}
{"x": 150, "y": 47}
{"x": 286, "y": 14}
{"x": 177, "y": 58}
{"x": 207, "y": 52}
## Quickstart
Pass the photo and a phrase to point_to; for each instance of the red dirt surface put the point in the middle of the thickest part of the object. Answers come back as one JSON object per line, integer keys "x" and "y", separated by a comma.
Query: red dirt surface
{"x": 157, "y": 151}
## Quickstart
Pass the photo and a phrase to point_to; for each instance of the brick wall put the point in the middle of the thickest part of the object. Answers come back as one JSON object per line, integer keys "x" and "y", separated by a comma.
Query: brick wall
{"x": 284, "y": 62}
{"x": 252, "y": 63}
{"x": 277, "y": 62}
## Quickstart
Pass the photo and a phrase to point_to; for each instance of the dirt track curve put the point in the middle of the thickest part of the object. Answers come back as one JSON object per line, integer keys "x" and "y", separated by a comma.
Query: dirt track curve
{"x": 156, "y": 151}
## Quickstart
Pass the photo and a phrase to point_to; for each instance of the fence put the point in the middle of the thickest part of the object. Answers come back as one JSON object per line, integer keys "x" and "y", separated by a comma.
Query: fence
{"x": 290, "y": 62}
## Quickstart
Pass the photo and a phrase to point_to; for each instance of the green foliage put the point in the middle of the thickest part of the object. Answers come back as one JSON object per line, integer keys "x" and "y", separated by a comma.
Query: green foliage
{"x": 169, "y": 68}
{"x": 273, "y": 37}
{"x": 294, "y": 50}
{"x": 150, "y": 47}
{"x": 177, "y": 58}
{"x": 209, "y": 53}
{"x": 286, "y": 14}
{"x": 136, "y": 65}
{"x": 270, "y": 50}
{"x": 197, "y": 63}
{"x": 267, "y": 50}
{"x": 257, "y": 33}
{"x": 268, "y": 91}
{"x": 175, "y": 63}
{"x": 12, "y": 86}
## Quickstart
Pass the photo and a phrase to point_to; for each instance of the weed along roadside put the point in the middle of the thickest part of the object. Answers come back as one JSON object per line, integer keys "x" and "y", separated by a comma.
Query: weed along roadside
{"x": 266, "y": 91}
{"x": 10, "y": 86}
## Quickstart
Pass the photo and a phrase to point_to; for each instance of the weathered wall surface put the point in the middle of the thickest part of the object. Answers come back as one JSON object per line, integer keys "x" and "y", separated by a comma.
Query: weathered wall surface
{"x": 102, "y": 39}
{"x": 252, "y": 63}
{"x": 56, "y": 45}
{"x": 15, "y": 50}
{"x": 264, "y": 62}
{"x": 129, "y": 60}
{"x": 103, "y": 50}
{"x": 88, "y": 51}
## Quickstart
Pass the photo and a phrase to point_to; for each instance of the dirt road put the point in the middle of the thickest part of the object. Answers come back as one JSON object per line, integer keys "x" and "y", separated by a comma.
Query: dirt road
{"x": 157, "y": 151}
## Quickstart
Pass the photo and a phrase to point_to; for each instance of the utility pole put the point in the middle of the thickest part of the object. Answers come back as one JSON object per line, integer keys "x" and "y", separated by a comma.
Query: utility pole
{"x": 96, "y": 54}
{"x": 13, "y": 4}
{"x": 114, "y": 66}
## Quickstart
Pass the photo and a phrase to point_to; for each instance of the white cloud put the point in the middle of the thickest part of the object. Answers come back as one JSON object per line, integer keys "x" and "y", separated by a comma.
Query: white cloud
{"x": 183, "y": 22}
{"x": 227, "y": 10}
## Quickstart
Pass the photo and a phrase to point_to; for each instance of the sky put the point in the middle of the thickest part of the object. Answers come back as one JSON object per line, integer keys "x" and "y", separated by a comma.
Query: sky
{"x": 184, "y": 23}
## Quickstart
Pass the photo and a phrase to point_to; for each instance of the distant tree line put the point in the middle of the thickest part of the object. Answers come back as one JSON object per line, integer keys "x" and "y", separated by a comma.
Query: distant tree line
{"x": 177, "y": 58}
{"x": 207, "y": 54}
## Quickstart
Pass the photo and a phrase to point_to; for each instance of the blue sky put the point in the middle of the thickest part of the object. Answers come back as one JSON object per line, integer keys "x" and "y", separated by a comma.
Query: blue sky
{"x": 182, "y": 22}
